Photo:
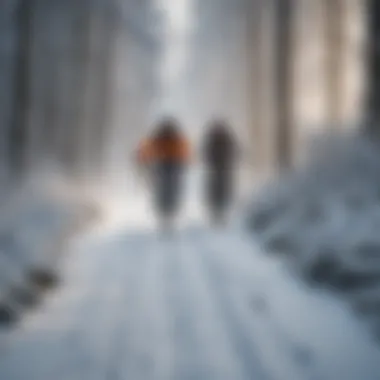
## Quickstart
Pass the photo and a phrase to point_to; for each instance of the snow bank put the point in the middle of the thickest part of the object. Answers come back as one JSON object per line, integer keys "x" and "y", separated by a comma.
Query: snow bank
{"x": 35, "y": 222}
{"x": 325, "y": 218}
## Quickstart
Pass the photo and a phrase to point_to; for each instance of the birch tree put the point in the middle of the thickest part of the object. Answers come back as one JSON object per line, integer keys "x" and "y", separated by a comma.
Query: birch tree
{"x": 334, "y": 53}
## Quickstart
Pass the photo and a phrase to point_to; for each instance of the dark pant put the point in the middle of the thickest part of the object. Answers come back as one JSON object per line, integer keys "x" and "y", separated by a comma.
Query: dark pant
{"x": 219, "y": 190}
{"x": 168, "y": 187}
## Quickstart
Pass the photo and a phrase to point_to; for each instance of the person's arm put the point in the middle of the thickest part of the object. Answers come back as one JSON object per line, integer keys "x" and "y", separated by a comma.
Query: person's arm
{"x": 144, "y": 153}
{"x": 241, "y": 153}
{"x": 186, "y": 151}
{"x": 205, "y": 151}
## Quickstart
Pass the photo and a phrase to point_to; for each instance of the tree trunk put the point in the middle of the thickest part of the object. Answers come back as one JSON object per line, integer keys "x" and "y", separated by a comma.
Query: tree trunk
{"x": 21, "y": 84}
{"x": 255, "y": 83}
{"x": 373, "y": 80}
{"x": 334, "y": 64}
{"x": 51, "y": 79}
{"x": 6, "y": 84}
{"x": 79, "y": 58}
{"x": 106, "y": 41}
{"x": 284, "y": 82}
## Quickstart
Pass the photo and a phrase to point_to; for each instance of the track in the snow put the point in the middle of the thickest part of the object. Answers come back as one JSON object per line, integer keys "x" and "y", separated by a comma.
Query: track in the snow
{"x": 202, "y": 305}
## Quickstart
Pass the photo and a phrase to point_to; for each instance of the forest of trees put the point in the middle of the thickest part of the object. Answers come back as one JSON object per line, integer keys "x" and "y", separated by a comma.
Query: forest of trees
{"x": 278, "y": 142}
{"x": 58, "y": 58}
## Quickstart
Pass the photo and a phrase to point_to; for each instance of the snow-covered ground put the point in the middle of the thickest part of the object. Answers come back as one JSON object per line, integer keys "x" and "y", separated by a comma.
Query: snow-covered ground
{"x": 202, "y": 305}
{"x": 35, "y": 224}
{"x": 127, "y": 200}
{"x": 324, "y": 218}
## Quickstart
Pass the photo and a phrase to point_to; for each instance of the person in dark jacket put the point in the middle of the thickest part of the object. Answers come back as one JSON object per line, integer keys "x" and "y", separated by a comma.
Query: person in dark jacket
{"x": 166, "y": 152}
{"x": 220, "y": 152}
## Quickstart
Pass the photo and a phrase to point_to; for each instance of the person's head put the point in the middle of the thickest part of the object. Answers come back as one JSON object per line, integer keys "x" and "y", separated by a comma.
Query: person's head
{"x": 219, "y": 128}
{"x": 167, "y": 128}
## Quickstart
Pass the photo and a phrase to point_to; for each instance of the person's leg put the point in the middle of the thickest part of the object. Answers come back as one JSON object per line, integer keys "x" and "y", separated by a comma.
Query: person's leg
{"x": 159, "y": 188}
{"x": 176, "y": 189}
{"x": 170, "y": 189}
{"x": 219, "y": 195}
{"x": 213, "y": 192}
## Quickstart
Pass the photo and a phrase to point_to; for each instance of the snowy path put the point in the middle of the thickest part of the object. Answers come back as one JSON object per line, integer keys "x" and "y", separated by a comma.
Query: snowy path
{"x": 202, "y": 306}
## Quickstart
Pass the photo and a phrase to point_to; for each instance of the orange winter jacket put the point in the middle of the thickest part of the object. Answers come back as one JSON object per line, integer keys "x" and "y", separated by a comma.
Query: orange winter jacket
{"x": 155, "y": 150}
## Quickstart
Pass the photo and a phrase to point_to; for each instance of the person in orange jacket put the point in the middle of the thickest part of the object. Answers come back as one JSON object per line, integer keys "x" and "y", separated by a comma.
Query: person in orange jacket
{"x": 166, "y": 152}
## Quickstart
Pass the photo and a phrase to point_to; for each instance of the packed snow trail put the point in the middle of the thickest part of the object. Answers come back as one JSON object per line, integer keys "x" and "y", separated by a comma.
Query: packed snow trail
{"x": 205, "y": 305}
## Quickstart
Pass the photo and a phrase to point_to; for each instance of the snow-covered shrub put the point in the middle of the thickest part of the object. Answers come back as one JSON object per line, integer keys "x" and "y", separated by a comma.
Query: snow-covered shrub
{"x": 325, "y": 217}
{"x": 34, "y": 224}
